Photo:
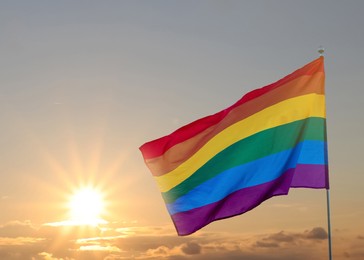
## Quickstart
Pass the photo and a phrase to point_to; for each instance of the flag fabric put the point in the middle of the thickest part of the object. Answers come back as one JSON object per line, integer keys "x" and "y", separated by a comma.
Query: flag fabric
{"x": 226, "y": 164}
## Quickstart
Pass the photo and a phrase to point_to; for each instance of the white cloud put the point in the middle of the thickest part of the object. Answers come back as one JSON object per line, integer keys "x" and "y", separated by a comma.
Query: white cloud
{"x": 18, "y": 229}
{"x": 99, "y": 248}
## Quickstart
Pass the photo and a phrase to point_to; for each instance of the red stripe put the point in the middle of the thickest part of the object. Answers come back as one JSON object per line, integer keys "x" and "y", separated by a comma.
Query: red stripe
{"x": 159, "y": 146}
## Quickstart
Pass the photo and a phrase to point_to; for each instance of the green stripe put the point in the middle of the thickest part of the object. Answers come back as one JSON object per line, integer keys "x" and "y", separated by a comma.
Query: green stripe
{"x": 257, "y": 146}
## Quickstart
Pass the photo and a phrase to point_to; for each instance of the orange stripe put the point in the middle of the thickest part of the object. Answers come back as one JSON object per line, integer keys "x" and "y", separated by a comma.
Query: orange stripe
{"x": 179, "y": 153}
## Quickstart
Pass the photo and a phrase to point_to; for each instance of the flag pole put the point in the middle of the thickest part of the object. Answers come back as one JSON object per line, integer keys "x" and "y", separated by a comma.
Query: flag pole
{"x": 329, "y": 222}
{"x": 321, "y": 52}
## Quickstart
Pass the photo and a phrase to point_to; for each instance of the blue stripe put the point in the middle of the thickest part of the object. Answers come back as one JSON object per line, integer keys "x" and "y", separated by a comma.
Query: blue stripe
{"x": 313, "y": 152}
{"x": 250, "y": 174}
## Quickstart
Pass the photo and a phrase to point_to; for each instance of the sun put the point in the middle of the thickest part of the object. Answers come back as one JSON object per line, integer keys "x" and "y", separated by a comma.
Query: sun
{"x": 86, "y": 207}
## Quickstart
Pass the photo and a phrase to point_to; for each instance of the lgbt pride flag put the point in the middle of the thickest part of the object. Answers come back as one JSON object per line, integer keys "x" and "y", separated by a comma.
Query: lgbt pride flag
{"x": 225, "y": 164}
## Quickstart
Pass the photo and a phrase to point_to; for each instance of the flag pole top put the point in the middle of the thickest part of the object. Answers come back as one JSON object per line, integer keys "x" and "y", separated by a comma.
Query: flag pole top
{"x": 321, "y": 50}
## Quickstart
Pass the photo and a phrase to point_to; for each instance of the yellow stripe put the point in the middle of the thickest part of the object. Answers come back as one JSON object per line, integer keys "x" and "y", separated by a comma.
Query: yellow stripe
{"x": 287, "y": 111}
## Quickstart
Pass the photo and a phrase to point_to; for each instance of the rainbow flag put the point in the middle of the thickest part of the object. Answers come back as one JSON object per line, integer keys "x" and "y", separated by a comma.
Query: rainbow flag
{"x": 225, "y": 164}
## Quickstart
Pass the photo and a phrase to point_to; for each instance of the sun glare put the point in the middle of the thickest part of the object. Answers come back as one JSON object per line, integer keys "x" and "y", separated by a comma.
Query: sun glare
{"x": 86, "y": 207}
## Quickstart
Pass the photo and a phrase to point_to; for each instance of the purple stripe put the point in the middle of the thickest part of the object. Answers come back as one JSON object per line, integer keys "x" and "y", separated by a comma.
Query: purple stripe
{"x": 311, "y": 176}
{"x": 246, "y": 199}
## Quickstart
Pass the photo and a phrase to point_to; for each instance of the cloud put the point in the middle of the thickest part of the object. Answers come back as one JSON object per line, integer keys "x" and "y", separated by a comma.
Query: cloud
{"x": 317, "y": 233}
{"x": 68, "y": 232}
{"x": 191, "y": 248}
{"x": 281, "y": 237}
{"x": 49, "y": 256}
{"x": 17, "y": 229}
{"x": 117, "y": 241}
{"x": 21, "y": 248}
{"x": 96, "y": 247}
{"x": 161, "y": 251}
{"x": 266, "y": 244}
{"x": 19, "y": 241}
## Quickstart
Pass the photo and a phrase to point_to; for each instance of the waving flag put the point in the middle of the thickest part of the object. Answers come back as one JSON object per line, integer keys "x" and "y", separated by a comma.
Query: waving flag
{"x": 225, "y": 164}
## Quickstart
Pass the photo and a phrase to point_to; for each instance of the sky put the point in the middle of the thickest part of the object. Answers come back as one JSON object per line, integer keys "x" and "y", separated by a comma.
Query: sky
{"x": 84, "y": 83}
